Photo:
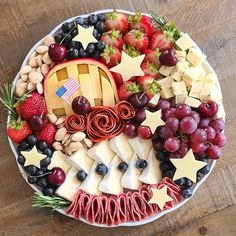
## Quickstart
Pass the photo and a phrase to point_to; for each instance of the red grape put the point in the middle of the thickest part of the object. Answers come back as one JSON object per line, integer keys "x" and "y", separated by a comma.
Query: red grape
{"x": 163, "y": 104}
{"x": 144, "y": 132}
{"x": 188, "y": 125}
{"x": 170, "y": 113}
{"x": 130, "y": 130}
{"x": 220, "y": 140}
{"x": 182, "y": 110}
{"x": 214, "y": 152}
{"x": 204, "y": 122}
{"x": 197, "y": 147}
{"x": 208, "y": 109}
{"x": 183, "y": 149}
{"x": 195, "y": 116}
{"x": 218, "y": 125}
{"x": 164, "y": 132}
{"x": 199, "y": 136}
{"x": 172, "y": 144}
{"x": 211, "y": 133}
{"x": 172, "y": 124}
{"x": 140, "y": 115}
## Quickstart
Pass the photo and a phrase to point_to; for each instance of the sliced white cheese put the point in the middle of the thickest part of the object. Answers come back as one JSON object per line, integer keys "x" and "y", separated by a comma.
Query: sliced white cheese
{"x": 195, "y": 56}
{"x": 80, "y": 160}
{"x": 196, "y": 89}
{"x": 111, "y": 182}
{"x": 179, "y": 88}
{"x": 154, "y": 100}
{"x": 130, "y": 179}
{"x": 141, "y": 147}
{"x": 193, "y": 74}
{"x": 166, "y": 70}
{"x": 184, "y": 42}
{"x": 92, "y": 181}
{"x": 59, "y": 160}
{"x": 101, "y": 153}
{"x": 70, "y": 186}
{"x": 121, "y": 147}
{"x": 152, "y": 173}
{"x": 192, "y": 102}
{"x": 180, "y": 98}
{"x": 167, "y": 93}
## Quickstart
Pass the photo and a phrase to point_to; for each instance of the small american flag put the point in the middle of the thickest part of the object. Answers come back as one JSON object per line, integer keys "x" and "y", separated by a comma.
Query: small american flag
{"x": 65, "y": 91}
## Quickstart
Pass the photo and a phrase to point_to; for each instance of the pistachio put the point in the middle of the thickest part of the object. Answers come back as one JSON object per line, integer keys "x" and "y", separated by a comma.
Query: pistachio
{"x": 48, "y": 40}
{"x": 39, "y": 59}
{"x": 57, "y": 146}
{"x": 44, "y": 69}
{"x": 67, "y": 136}
{"x": 60, "y": 121}
{"x": 46, "y": 59}
{"x": 52, "y": 118}
{"x": 34, "y": 54}
{"x": 67, "y": 143}
{"x": 33, "y": 62}
{"x": 87, "y": 143}
{"x": 75, "y": 146}
{"x": 67, "y": 151}
{"x": 60, "y": 134}
{"x": 31, "y": 86}
{"x": 24, "y": 77}
{"x": 78, "y": 136}
{"x": 42, "y": 49}
{"x": 21, "y": 89}
{"x": 35, "y": 77}
{"x": 39, "y": 88}
{"x": 25, "y": 69}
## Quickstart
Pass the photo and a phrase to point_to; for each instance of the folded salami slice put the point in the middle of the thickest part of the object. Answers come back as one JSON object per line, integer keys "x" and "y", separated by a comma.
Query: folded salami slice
{"x": 111, "y": 211}
{"x": 123, "y": 214}
{"x": 92, "y": 209}
{"x": 135, "y": 214}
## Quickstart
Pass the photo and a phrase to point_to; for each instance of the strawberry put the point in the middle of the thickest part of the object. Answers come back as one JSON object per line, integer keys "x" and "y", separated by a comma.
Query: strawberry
{"x": 113, "y": 38}
{"x": 152, "y": 56}
{"x": 111, "y": 56}
{"x": 18, "y": 131}
{"x": 136, "y": 39}
{"x": 33, "y": 106}
{"x": 117, "y": 21}
{"x": 160, "y": 40}
{"x": 149, "y": 85}
{"x": 127, "y": 89}
{"x": 47, "y": 134}
{"x": 131, "y": 51}
{"x": 141, "y": 22}
{"x": 150, "y": 69}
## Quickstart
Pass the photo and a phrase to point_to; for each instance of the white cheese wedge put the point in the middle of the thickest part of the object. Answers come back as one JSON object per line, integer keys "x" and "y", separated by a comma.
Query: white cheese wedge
{"x": 92, "y": 181}
{"x": 184, "y": 42}
{"x": 195, "y": 56}
{"x": 121, "y": 147}
{"x": 221, "y": 112}
{"x": 111, "y": 182}
{"x": 108, "y": 98}
{"x": 80, "y": 160}
{"x": 101, "y": 153}
{"x": 59, "y": 160}
{"x": 166, "y": 70}
{"x": 167, "y": 93}
{"x": 70, "y": 186}
{"x": 192, "y": 102}
{"x": 152, "y": 173}
{"x": 179, "y": 88}
{"x": 130, "y": 179}
{"x": 180, "y": 98}
{"x": 141, "y": 147}
{"x": 154, "y": 100}
{"x": 86, "y": 85}
{"x": 196, "y": 89}
{"x": 193, "y": 74}
{"x": 166, "y": 82}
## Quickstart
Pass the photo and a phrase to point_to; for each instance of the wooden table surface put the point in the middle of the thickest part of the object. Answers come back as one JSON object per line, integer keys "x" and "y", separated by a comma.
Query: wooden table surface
{"x": 212, "y": 211}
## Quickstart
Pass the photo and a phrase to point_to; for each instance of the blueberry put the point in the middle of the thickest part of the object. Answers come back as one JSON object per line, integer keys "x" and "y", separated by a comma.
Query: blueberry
{"x": 166, "y": 165}
{"x": 92, "y": 19}
{"x": 67, "y": 27}
{"x": 141, "y": 164}
{"x": 123, "y": 166}
{"x": 75, "y": 44}
{"x": 102, "y": 17}
{"x": 205, "y": 170}
{"x": 74, "y": 32}
{"x": 72, "y": 53}
{"x": 42, "y": 145}
{"x": 21, "y": 160}
{"x": 79, "y": 20}
{"x": 100, "y": 26}
{"x": 48, "y": 191}
{"x": 40, "y": 172}
{"x": 96, "y": 55}
{"x": 90, "y": 48}
{"x": 32, "y": 139}
{"x": 186, "y": 193}
{"x": 81, "y": 175}
{"x": 58, "y": 37}
{"x": 96, "y": 34}
{"x": 162, "y": 155}
{"x": 42, "y": 182}
{"x": 45, "y": 162}
{"x": 168, "y": 173}
{"x": 85, "y": 24}
{"x": 101, "y": 169}
{"x": 68, "y": 38}
{"x": 48, "y": 151}
{"x": 32, "y": 179}
{"x": 100, "y": 45}
{"x": 199, "y": 177}
{"x": 204, "y": 159}
{"x": 31, "y": 169}
{"x": 188, "y": 183}
{"x": 82, "y": 53}
{"x": 24, "y": 145}
{"x": 18, "y": 150}
{"x": 181, "y": 182}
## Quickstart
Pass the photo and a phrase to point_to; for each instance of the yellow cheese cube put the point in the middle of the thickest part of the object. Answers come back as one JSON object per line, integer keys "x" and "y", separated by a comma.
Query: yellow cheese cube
{"x": 166, "y": 82}
{"x": 196, "y": 89}
{"x": 166, "y": 70}
{"x": 195, "y": 56}
{"x": 179, "y": 88}
{"x": 192, "y": 102}
{"x": 193, "y": 74}
{"x": 167, "y": 93}
{"x": 184, "y": 42}
{"x": 180, "y": 98}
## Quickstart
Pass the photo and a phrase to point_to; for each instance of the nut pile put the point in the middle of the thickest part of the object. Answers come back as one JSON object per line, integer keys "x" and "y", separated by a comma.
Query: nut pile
{"x": 33, "y": 74}
{"x": 66, "y": 141}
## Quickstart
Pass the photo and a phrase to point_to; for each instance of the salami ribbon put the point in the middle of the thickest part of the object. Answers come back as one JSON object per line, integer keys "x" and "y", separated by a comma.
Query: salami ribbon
{"x": 103, "y": 123}
{"x": 75, "y": 123}
{"x": 125, "y": 110}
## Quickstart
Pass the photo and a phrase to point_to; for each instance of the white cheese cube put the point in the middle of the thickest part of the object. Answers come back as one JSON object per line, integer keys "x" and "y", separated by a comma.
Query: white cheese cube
{"x": 184, "y": 42}
{"x": 192, "y": 102}
{"x": 209, "y": 79}
{"x": 206, "y": 92}
{"x": 193, "y": 74}
{"x": 70, "y": 186}
{"x": 179, "y": 88}
{"x": 195, "y": 56}
{"x": 121, "y": 147}
{"x": 221, "y": 113}
{"x": 167, "y": 93}
{"x": 166, "y": 70}
{"x": 180, "y": 98}
{"x": 216, "y": 95}
{"x": 154, "y": 100}
{"x": 166, "y": 82}
{"x": 180, "y": 54}
{"x": 152, "y": 173}
{"x": 196, "y": 89}
{"x": 177, "y": 76}
{"x": 111, "y": 182}
{"x": 59, "y": 160}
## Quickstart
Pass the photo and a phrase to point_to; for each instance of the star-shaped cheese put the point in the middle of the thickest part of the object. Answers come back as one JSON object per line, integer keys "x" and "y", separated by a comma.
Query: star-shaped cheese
{"x": 187, "y": 166}
{"x": 160, "y": 197}
{"x": 33, "y": 157}
{"x": 129, "y": 66}
{"x": 153, "y": 120}
{"x": 85, "y": 36}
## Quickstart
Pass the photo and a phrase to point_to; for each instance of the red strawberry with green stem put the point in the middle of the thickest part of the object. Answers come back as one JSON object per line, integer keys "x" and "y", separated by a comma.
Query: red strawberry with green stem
{"x": 136, "y": 39}
{"x": 47, "y": 134}
{"x": 111, "y": 56}
{"x": 160, "y": 41}
{"x": 150, "y": 69}
{"x": 127, "y": 89}
{"x": 152, "y": 56}
{"x": 117, "y": 21}
{"x": 131, "y": 51}
{"x": 141, "y": 22}
{"x": 113, "y": 38}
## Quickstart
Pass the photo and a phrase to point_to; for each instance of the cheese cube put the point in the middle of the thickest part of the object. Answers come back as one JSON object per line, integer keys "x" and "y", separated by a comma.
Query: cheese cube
{"x": 216, "y": 95}
{"x": 209, "y": 79}
{"x": 180, "y": 54}
{"x": 221, "y": 113}
{"x": 193, "y": 74}
{"x": 192, "y": 102}
{"x": 167, "y": 93}
{"x": 154, "y": 100}
{"x": 166, "y": 82}
{"x": 180, "y": 98}
{"x": 184, "y": 42}
{"x": 206, "y": 92}
{"x": 196, "y": 89}
{"x": 195, "y": 56}
{"x": 179, "y": 88}
{"x": 59, "y": 160}
{"x": 166, "y": 70}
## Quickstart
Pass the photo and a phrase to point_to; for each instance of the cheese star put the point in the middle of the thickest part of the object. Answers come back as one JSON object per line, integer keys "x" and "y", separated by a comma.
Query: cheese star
{"x": 187, "y": 166}
{"x": 33, "y": 157}
{"x": 160, "y": 197}
{"x": 129, "y": 66}
{"x": 85, "y": 36}
{"x": 153, "y": 120}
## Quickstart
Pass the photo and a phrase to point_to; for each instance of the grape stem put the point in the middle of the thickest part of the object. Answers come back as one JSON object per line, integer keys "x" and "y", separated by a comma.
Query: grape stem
{"x": 37, "y": 176}
{"x": 68, "y": 33}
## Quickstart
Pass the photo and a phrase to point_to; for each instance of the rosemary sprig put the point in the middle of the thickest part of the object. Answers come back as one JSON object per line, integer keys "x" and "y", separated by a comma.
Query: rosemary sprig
{"x": 51, "y": 202}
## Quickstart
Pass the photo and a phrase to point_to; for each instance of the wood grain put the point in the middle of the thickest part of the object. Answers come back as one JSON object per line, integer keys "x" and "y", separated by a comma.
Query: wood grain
{"x": 211, "y": 24}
